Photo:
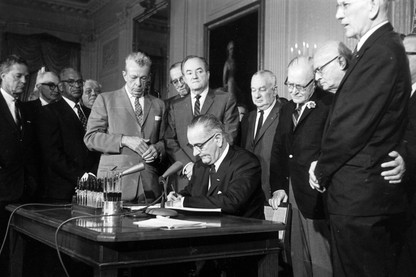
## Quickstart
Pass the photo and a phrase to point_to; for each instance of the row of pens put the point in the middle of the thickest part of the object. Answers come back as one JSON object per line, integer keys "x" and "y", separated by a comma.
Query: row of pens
{"x": 93, "y": 192}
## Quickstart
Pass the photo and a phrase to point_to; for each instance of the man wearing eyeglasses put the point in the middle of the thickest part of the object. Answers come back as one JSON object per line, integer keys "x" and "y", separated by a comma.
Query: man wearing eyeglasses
{"x": 61, "y": 130}
{"x": 200, "y": 100}
{"x": 296, "y": 144}
{"x": 47, "y": 87}
{"x": 225, "y": 176}
{"x": 366, "y": 122}
{"x": 127, "y": 127}
{"x": 178, "y": 81}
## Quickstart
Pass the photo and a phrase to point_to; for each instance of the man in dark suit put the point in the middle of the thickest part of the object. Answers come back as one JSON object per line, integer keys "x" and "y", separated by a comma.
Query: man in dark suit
{"x": 178, "y": 81}
{"x": 127, "y": 127}
{"x": 407, "y": 265}
{"x": 201, "y": 100}
{"x": 296, "y": 144}
{"x": 366, "y": 122}
{"x": 18, "y": 163}
{"x": 61, "y": 129}
{"x": 259, "y": 126}
{"x": 225, "y": 177}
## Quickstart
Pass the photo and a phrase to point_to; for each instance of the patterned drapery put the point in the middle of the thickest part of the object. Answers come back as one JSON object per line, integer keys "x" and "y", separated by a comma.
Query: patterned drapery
{"x": 41, "y": 50}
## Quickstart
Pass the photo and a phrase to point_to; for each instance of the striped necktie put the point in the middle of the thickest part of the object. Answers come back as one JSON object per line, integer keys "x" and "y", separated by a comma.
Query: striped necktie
{"x": 138, "y": 111}
{"x": 81, "y": 116}
{"x": 197, "y": 106}
{"x": 296, "y": 114}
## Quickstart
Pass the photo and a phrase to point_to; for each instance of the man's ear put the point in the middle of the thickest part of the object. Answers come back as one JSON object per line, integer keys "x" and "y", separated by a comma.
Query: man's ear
{"x": 343, "y": 62}
{"x": 374, "y": 9}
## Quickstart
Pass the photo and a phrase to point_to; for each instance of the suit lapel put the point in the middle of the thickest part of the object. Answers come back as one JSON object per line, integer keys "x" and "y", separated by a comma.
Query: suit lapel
{"x": 273, "y": 115}
{"x": 125, "y": 102}
{"x": 367, "y": 44}
{"x": 4, "y": 109}
{"x": 219, "y": 177}
{"x": 208, "y": 101}
{"x": 69, "y": 113}
{"x": 315, "y": 97}
{"x": 147, "y": 106}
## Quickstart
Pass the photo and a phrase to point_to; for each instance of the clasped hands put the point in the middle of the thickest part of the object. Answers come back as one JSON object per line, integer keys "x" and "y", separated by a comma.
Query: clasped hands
{"x": 139, "y": 145}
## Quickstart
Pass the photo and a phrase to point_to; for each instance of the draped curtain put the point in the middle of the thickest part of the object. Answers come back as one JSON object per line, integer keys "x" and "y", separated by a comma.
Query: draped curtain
{"x": 41, "y": 50}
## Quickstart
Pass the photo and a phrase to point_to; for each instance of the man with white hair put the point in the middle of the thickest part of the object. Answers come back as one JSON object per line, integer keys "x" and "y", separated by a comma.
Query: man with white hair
{"x": 47, "y": 87}
{"x": 366, "y": 122}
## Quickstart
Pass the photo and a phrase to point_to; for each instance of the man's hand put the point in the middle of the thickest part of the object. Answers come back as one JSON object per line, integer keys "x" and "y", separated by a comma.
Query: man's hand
{"x": 278, "y": 196}
{"x": 151, "y": 154}
{"x": 138, "y": 145}
{"x": 187, "y": 170}
{"x": 395, "y": 175}
{"x": 313, "y": 182}
{"x": 87, "y": 175}
{"x": 173, "y": 196}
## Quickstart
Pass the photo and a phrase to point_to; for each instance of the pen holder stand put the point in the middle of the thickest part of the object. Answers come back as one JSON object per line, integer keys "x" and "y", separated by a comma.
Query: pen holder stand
{"x": 112, "y": 207}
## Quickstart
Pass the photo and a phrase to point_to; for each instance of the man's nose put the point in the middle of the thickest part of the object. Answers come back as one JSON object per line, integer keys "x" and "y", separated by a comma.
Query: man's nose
{"x": 196, "y": 151}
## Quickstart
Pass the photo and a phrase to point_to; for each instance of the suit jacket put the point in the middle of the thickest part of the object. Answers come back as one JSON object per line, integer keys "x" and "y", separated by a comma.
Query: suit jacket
{"x": 65, "y": 156}
{"x": 294, "y": 149}
{"x": 219, "y": 103}
{"x": 235, "y": 188}
{"x": 18, "y": 154}
{"x": 366, "y": 123}
{"x": 261, "y": 147}
{"x": 410, "y": 139}
{"x": 113, "y": 116}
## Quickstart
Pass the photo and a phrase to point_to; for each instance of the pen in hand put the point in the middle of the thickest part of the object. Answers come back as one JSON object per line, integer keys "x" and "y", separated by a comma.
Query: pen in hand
{"x": 173, "y": 190}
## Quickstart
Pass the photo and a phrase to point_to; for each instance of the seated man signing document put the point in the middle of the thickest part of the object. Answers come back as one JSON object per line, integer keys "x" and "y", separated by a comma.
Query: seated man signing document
{"x": 225, "y": 177}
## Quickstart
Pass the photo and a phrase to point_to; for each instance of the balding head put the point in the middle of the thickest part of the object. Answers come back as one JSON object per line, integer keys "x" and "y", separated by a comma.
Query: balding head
{"x": 300, "y": 79}
{"x": 330, "y": 62}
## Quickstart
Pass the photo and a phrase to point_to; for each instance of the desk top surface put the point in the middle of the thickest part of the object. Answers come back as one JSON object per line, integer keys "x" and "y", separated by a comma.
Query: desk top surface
{"x": 120, "y": 228}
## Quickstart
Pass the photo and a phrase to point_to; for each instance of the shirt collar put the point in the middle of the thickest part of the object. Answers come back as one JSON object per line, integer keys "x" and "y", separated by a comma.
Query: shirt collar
{"x": 42, "y": 101}
{"x": 70, "y": 102}
{"x": 368, "y": 34}
{"x": 7, "y": 96}
{"x": 203, "y": 93}
{"x": 222, "y": 157}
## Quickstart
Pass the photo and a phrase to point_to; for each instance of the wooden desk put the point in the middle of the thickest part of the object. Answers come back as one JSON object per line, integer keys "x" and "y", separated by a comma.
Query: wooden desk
{"x": 109, "y": 243}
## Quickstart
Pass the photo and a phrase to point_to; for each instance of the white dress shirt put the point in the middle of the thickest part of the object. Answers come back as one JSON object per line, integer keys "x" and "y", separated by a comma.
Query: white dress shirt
{"x": 132, "y": 99}
{"x": 266, "y": 113}
{"x": 201, "y": 100}
{"x": 11, "y": 103}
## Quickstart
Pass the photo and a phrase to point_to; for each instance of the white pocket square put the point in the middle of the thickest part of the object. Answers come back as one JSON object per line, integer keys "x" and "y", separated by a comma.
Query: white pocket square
{"x": 219, "y": 192}
{"x": 158, "y": 118}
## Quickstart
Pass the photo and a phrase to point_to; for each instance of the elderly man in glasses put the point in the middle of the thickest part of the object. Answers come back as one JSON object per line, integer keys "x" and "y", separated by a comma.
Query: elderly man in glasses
{"x": 47, "y": 87}
{"x": 61, "y": 130}
{"x": 178, "y": 81}
{"x": 225, "y": 176}
{"x": 296, "y": 144}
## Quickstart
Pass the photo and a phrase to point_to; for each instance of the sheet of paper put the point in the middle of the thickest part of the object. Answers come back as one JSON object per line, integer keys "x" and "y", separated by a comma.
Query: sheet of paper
{"x": 169, "y": 223}
{"x": 218, "y": 210}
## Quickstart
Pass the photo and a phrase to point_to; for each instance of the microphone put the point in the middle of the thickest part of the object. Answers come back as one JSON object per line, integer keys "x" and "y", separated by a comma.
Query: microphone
{"x": 133, "y": 169}
{"x": 172, "y": 169}
{"x": 163, "y": 181}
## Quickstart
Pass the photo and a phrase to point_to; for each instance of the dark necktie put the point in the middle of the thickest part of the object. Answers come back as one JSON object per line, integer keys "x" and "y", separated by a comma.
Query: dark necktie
{"x": 17, "y": 114}
{"x": 296, "y": 114}
{"x": 197, "y": 107}
{"x": 81, "y": 116}
{"x": 212, "y": 172}
{"x": 138, "y": 111}
{"x": 259, "y": 124}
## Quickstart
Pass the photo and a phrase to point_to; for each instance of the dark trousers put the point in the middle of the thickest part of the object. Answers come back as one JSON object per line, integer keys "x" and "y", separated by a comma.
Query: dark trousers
{"x": 366, "y": 246}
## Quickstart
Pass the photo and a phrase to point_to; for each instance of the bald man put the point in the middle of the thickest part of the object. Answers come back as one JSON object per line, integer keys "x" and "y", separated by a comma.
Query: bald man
{"x": 296, "y": 144}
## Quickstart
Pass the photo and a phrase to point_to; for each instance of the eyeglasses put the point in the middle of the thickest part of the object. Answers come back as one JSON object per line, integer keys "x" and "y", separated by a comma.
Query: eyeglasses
{"x": 51, "y": 86}
{"x": 176, "y": 81}
{"x": 72, "y": 83}
{"x": 199, "y": 146}
{"x": 89, "y": 91}
{"x": 297, "y": 87}
{"x": 319, "y": 69}
{"x": 410, "y": 53}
